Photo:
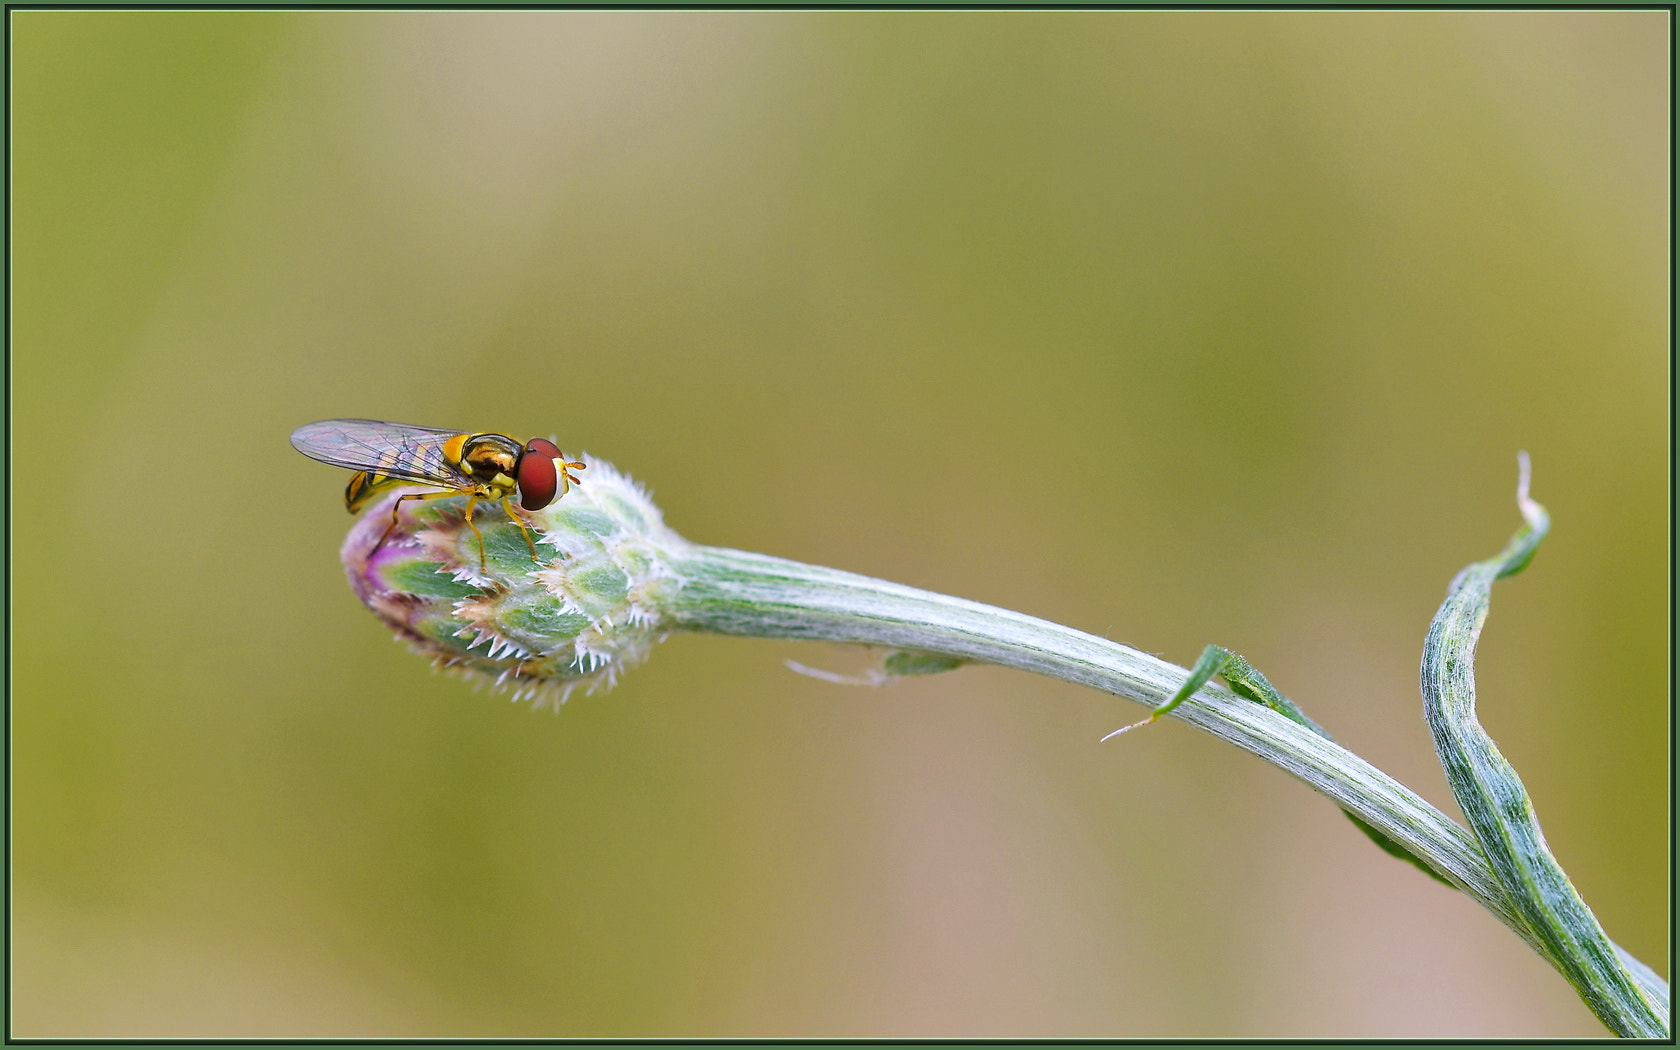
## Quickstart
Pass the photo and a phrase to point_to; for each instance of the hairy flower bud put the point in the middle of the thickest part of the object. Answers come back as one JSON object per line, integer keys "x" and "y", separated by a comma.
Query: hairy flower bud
{"x": 581, "y": 613}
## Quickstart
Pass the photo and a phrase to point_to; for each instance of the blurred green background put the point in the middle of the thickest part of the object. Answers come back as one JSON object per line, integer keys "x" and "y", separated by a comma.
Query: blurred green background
{"x": 1175, "y": 327}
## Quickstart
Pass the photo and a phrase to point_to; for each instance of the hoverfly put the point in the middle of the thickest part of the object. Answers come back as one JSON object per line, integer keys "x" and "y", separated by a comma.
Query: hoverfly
{"x": 481, "y": 466}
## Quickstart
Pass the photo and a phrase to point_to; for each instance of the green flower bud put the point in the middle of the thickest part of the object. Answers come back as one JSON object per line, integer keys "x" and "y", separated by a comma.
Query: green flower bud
{"x": 578, "y": 615}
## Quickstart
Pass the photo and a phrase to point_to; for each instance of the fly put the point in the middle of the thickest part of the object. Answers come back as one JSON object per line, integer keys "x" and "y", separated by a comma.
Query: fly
{"x": 479, "y": 466}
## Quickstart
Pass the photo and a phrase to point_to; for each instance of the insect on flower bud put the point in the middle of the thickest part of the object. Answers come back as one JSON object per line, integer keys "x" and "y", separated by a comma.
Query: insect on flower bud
{"x": 580, "y": 614}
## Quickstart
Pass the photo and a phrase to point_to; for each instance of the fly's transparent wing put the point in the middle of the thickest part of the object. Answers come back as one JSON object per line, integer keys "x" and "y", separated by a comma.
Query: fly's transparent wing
{"x": 393, "y": 450}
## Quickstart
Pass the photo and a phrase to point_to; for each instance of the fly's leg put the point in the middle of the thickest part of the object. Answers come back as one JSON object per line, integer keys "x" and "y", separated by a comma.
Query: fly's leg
{"x": 472, "y": 500}
{"x": 513, "y": 517}
{"x": 396, "y": 508}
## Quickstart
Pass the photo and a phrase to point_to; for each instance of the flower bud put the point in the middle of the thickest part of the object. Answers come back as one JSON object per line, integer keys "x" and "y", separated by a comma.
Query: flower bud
{"x": 579, "y": 614}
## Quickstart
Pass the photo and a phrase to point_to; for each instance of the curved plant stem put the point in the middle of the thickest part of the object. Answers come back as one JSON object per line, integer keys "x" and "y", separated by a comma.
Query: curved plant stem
{"x": 741, "y": 593}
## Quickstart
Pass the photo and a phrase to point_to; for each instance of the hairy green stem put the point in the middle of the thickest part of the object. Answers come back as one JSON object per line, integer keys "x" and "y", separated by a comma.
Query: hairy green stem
{"x": 740, "y": 593}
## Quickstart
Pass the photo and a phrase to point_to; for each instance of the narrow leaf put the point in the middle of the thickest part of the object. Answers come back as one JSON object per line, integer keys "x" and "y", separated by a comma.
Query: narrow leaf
{"x": 1498, "y": 808}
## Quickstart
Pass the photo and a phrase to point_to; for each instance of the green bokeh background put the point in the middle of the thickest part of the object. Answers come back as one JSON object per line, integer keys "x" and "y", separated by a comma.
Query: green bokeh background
{"x": 1175, "y": 327}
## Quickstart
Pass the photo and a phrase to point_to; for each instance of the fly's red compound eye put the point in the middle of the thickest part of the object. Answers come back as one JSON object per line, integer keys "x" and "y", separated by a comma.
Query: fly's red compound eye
{"x": 546, "y": 447}
{"x": 538, "y": 479}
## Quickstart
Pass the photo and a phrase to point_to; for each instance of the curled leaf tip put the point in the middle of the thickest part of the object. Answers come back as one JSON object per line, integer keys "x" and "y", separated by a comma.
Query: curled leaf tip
{"x": 872, "y": 677}
{"x": 1532, "y": 512}
{"x": 1126, "y": 729}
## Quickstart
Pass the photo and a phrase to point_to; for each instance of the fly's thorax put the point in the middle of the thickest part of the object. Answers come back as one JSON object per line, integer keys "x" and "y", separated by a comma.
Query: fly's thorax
{"x": 490, "y": 461}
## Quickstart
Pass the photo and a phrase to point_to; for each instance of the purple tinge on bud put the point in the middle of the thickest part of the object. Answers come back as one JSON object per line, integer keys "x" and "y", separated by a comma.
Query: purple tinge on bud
{"x": 583, "y": 610}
